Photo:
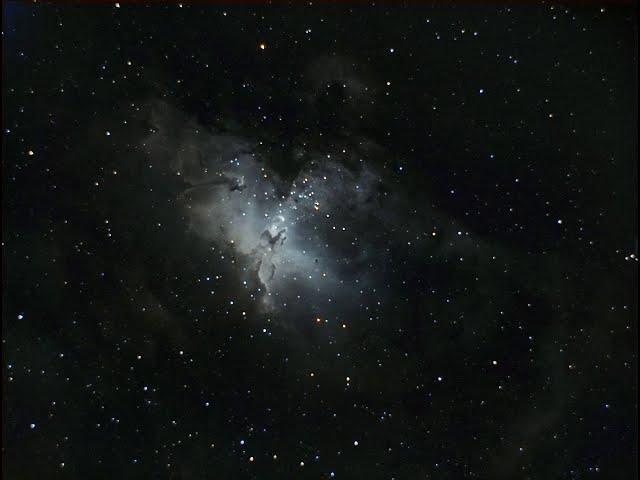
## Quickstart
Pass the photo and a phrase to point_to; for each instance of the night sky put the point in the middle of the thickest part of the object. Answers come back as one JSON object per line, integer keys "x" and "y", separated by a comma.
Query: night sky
{"x": 319, "y": 241}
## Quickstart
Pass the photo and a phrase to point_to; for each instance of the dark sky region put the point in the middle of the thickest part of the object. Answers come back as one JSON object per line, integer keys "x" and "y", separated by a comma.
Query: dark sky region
{"x": 376, "y": 241}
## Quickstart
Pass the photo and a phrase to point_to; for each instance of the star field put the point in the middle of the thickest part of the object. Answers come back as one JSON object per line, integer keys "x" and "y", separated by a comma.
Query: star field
{"x": 319, "y": 241}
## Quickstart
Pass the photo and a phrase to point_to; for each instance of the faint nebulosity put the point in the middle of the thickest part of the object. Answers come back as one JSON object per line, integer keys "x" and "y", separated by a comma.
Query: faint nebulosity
{"x": 319, "y": 241}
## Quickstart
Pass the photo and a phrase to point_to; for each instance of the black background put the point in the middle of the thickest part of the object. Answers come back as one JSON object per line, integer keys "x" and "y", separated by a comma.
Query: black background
{"x": 556, "y": 308}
